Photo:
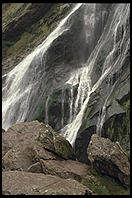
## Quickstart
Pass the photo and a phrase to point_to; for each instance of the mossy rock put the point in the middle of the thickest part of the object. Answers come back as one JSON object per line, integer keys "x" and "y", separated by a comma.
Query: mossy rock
{"x": 55, "y": 143}
{"x": 28, "y": 33}
{"x": 63, "y": 148}
{"x": 46, "y": 139}
{"x": 104, "y": 185}
{"x": 109, "y": 158}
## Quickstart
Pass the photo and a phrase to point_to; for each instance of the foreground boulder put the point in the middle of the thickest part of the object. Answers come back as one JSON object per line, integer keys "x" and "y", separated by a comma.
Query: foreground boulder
{"x": 24, "y": 183}
{"x": 64, "y": 168}
{"x": 35, "y": 147}
{"x": 35, "y": 162}
{"x": 25, "y": 144}
{"x": 108, "y": 158}
{"x": 31, "y": 133}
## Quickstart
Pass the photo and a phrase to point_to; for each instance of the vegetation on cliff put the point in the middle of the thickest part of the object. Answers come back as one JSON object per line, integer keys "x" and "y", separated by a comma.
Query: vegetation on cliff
{"x": 21, "y": 35}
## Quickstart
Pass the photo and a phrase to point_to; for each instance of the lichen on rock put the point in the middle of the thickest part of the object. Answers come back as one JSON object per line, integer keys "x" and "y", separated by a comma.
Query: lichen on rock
{"x": 108, "y": 158}
{"x": 54, "y": 142}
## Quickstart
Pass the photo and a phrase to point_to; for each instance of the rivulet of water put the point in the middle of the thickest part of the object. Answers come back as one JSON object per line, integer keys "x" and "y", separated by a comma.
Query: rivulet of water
{"x": 62, "y": 108}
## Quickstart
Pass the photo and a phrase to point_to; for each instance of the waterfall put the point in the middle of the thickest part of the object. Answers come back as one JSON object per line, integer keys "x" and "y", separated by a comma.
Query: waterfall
{"x": 70, "y": 130}
{"x": 107, "y": 63}
{"x": 17, "y": 88}
{"x": 84, "y": 75}
{"x": 27, "y": 84}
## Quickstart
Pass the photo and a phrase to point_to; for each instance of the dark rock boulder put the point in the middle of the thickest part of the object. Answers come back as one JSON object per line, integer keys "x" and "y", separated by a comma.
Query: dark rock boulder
{"x": 38, "y": 149}
{"x": 24, "y": 183}
{"x": 109, "y": 158}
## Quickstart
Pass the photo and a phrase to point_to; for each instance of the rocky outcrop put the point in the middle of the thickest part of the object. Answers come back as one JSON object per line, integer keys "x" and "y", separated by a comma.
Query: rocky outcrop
{"x": 109, "y": 158}
{"x": 64, "y": 168}
{"x": 33, "y": 152}
{"x": 35, "y": 147}
{"x": 24, "y": 144}
{"x": 24, "y": 183}
{"x": 20, "y": 35}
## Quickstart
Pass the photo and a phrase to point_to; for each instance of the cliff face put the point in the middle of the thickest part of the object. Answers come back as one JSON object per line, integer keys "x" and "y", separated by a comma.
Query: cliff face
{"x": 14, "y": 29}
{"x": 24, "y": 26}
{"x": 109, "y": 106}
{"x": 78, "y": 79}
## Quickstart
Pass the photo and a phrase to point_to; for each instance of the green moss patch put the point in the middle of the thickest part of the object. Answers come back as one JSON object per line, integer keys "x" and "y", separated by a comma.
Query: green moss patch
{"x": 104, "y": 185}
{"x": 117, "y": 128}
{"x": 34, "y": 33}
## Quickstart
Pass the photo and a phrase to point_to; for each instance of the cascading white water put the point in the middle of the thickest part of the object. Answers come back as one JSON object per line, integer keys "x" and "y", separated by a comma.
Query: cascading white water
{"x": 14, "y": 79}
{"x": 81, "y": 77}
{"x": 46, "y": 110}
{"x": 84, "y": 78}
{"x": 70, "y": 130}
{"x": 71, "y": 104}
{"x": 107, "y": 63}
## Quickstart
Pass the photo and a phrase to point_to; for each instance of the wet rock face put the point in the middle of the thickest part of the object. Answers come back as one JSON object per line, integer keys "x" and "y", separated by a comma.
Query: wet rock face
{"x": 66, "y": 54}
{"x": 116, "y": 122}
{"x": 109, "y": 158}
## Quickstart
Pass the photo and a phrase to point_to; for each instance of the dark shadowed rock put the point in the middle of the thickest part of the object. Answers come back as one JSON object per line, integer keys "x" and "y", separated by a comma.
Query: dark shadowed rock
{"x": 17, "y": 183}
{"x": 18, "y": 24}
{"x": 3, "y": 130}
{"x": 109, "y": 158}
